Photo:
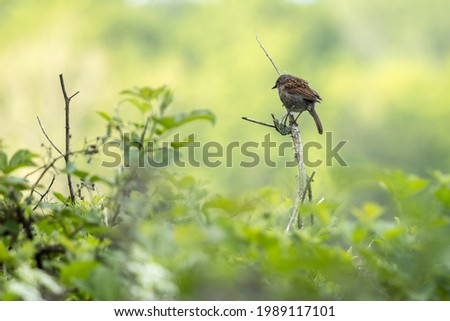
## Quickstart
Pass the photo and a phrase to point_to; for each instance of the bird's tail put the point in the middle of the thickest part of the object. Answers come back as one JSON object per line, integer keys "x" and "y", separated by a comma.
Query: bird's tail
{"x": 314, "y": 115}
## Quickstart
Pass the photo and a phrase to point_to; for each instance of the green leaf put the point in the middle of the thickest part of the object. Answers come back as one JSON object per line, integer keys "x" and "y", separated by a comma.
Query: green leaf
{"x": 89, "y": 177}
{"x": 146, "y": 93}
{"x": 60, "y": 197}
{"x": 4, "y": 253}
{"x": 443, "y": 195}
{"x": 21, "y": 158}
{"x": 149, "y": 93}
{"x": 19, "y": 183}
{"x": 3, "y": 160}
{"x": 231, "y": 206}
{"x": 103, "y": 284}
{"x": 143, "y": 106}
{"x": 402, "y": 186}
{"x": 166, "y": 100}
{"x": 369, "y": 213}
{"x": 77, "y": 271}
{"x": 104, "y": 115}
{"x": 184, "y": 118}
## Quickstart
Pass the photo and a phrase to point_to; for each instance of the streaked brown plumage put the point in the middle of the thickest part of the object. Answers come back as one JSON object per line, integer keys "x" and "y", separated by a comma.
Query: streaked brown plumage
{"x": 298, "y": 96}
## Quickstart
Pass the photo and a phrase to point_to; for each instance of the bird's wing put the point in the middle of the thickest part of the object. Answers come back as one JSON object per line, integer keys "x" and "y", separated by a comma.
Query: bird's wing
{"x": 298, "y": 86}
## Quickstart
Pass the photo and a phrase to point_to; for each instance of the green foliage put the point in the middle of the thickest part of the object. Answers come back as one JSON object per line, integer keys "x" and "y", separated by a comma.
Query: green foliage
{"x": 21, "y": 158}
{"x": 160, "y": 235}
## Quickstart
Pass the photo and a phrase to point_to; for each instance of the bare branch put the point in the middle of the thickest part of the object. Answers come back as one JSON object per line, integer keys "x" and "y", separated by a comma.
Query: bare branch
{"x": 67, "y": 152}
{"x": 45, "y": 169}
{"x": 74, "y": 95}
{"x": 258, "y": 122}
{"x": 267, "y": 54}
{"x": 46, "y": 192}
{"x": 48, "y": 138}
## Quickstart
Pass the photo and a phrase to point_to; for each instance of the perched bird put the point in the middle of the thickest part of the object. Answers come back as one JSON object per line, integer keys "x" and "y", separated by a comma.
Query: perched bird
{"x": 297, "y": 96}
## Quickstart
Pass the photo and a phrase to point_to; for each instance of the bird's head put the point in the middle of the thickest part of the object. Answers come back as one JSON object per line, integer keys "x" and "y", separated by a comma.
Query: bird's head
{"x": 281, "y": 80}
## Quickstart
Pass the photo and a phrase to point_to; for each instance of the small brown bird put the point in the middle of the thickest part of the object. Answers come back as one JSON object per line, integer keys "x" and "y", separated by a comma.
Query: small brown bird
{"x": 297, "y": 96}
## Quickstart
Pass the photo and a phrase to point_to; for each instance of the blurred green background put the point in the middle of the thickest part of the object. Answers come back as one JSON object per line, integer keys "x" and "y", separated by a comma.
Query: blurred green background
{"x": 381, "y": 67}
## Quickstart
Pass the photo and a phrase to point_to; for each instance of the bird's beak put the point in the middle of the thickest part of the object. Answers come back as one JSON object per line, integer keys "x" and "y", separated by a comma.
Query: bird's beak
{"x": 274, "y": 86}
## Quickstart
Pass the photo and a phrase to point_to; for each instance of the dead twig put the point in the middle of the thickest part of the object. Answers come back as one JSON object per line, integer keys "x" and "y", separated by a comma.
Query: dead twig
{"x": 258, "y": 122}
{"x": 267, "y": 54}
{"x": 67, "y": 152}
{"x": 48, "y": 138}
{"x": 46, "y": 167}
{"x": 46, "y": 192}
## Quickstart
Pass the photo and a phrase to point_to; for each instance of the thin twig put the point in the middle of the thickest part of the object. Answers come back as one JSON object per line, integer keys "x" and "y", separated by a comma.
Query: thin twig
{"x": 48, "y": 138}
{"x": 115, "y": 219}
{"x": 258, "y": 122}
{"x": 267, "y": 54}
{"x": 144, "y": 131}
{"x": 46, "y": 192}
{"x": 308, "y": 191}
{"x": 67, "y": 152}
{"x": 46, "y": 168}
{"x": 307, "y": 187}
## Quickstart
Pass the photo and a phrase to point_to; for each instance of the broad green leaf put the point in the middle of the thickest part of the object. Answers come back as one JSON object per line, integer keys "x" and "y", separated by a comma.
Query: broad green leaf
{"x": 21, "y": 158}
{"x": 177, "y": 120}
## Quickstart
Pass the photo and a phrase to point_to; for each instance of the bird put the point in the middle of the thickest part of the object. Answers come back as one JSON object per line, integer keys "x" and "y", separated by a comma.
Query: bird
{"x": 297, "y": 96}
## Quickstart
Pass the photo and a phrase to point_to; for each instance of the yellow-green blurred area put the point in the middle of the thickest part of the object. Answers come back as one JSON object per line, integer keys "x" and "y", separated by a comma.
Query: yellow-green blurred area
{"x": 381, "y": 67}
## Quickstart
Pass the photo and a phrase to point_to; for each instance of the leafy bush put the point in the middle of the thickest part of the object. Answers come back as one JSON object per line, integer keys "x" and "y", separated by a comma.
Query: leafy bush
{"x": 160, "y": 235}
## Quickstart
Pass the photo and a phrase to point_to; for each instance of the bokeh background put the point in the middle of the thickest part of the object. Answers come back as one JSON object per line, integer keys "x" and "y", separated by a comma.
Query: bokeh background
{"x": 381, "y": 67}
